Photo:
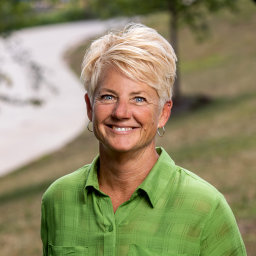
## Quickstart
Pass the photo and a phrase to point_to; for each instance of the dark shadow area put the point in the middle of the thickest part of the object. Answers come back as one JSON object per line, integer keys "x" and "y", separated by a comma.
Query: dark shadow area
{"x": 186, "y": 104}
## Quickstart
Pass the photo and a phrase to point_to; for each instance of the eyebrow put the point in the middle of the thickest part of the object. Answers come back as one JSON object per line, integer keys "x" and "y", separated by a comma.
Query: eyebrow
{"x": 138, "y": 92}
{"x": 132, "y": 93}
{"x": 107, "y": 90}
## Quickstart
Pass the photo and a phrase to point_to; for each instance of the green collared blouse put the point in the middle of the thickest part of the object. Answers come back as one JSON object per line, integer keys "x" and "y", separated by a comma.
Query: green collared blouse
{"x": 173, "y": 212}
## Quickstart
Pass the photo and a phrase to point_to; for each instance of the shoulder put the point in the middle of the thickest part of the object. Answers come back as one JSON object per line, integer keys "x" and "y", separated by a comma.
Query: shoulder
{"x": 74, "y": 181}
{"x": 199, "y": 201}
{"x": 204, "y": 197}
{"x": 183, "y": 183}
{"x": 193, "y": 180}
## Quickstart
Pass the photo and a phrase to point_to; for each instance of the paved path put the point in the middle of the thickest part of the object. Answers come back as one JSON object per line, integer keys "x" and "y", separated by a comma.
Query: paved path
{"x": 28, "y": 132}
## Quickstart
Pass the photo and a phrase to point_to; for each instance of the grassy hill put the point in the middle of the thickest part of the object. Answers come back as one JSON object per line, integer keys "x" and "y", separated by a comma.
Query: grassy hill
{"x": 217, "y": 142}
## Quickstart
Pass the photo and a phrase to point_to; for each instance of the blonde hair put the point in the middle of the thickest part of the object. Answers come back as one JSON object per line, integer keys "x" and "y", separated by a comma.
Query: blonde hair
{"x": 139, "y": 52}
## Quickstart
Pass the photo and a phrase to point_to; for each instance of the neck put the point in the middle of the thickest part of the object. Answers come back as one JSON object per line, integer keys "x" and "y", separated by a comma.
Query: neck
{"x": 122, "y": 172}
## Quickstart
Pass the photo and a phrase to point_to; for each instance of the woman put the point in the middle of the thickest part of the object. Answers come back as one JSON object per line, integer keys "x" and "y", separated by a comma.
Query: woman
{"x": 133, "y": 199}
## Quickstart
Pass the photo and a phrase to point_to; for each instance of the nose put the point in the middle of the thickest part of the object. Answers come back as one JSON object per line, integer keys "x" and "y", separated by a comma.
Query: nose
{"x": 121, "y": 110}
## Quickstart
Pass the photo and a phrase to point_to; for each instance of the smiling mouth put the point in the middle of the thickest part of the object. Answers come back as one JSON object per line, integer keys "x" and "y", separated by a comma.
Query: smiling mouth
{"x": 120, "y": 129}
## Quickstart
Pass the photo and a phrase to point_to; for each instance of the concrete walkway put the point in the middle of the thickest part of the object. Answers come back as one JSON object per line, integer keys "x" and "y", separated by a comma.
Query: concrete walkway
{"x": 28, "y": 132}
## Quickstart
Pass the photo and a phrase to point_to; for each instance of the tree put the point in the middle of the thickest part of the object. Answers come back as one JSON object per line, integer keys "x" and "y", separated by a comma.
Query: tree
{"x": 191, "y": 13}
{"x": 13, "y": 13}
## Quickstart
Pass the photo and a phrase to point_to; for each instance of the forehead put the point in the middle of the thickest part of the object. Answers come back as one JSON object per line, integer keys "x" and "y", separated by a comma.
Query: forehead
{"x": 116, "y": 81}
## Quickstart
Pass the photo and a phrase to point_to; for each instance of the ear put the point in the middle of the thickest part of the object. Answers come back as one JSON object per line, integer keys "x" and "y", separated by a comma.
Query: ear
{"x": 165, "y": 114}
{"x": 88, "y": 106}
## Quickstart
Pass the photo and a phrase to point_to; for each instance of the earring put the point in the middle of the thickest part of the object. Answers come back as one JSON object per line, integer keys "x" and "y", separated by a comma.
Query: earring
{"x": 88, "y": 128}
{"x": 159, "y": 132}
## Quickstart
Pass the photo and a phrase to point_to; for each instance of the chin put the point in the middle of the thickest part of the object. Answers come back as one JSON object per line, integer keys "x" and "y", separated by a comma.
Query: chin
{"x": 126, "y": 146}
{"x": 120, "y": 147}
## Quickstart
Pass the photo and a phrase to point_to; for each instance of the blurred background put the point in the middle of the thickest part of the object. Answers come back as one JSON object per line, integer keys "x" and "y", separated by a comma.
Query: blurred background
{"x": 211, "y": 132}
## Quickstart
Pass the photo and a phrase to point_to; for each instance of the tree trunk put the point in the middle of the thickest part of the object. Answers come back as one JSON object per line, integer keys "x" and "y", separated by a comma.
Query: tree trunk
{"x": 174, "y": 43}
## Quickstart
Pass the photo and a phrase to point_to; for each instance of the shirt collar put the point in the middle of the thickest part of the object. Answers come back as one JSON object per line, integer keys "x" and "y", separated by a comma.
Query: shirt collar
{"x": 92, "y": 179}
{"x": 154, "y": 184}
{"x": 159, "y": 177}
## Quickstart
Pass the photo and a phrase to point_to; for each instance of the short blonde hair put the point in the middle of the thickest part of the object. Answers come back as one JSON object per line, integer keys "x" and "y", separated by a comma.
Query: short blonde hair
{"x": 139, "y": 52}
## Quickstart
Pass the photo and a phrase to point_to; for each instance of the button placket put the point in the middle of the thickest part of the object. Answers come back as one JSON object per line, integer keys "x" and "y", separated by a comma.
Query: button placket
{"x": 109, "y": 223}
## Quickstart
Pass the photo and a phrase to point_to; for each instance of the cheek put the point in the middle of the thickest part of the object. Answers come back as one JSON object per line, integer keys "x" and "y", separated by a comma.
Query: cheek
{"x": 148, "y": 118}
{"x": 101, "y": 112}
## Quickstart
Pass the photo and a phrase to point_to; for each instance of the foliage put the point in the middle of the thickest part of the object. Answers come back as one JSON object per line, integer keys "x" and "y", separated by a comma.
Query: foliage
{"x": 13, "y": 13}
{"x": 190, "y": 12}
{"x": 16, "y": 14}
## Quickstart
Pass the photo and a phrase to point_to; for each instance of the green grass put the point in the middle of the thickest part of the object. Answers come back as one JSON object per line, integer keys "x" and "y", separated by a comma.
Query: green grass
{"x": 217, "y": 142}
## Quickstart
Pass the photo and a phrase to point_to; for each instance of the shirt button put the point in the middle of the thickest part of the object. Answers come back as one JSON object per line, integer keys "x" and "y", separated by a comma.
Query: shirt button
{"x": 110, "y": 228}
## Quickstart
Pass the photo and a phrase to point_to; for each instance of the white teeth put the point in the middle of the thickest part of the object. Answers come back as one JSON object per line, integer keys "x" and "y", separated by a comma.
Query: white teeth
{"x": 122, "y": 129}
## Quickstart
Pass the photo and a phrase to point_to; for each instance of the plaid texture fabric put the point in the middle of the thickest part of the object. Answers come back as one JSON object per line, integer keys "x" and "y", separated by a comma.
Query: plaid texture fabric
{"x": 173, "y": 212}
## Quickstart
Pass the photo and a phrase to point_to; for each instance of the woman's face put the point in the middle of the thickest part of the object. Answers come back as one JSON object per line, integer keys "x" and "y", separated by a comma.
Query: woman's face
{"x": 125, "y": 113}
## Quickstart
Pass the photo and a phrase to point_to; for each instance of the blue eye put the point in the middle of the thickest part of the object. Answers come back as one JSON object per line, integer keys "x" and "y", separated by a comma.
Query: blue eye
{"x": 139, "y": 99}
{"x": 107, "y": 97}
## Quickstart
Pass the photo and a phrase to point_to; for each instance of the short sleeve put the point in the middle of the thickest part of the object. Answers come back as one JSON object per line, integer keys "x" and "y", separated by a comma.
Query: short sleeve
{"x": 44, "y": 230}
{"x": 221, "y": 236}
